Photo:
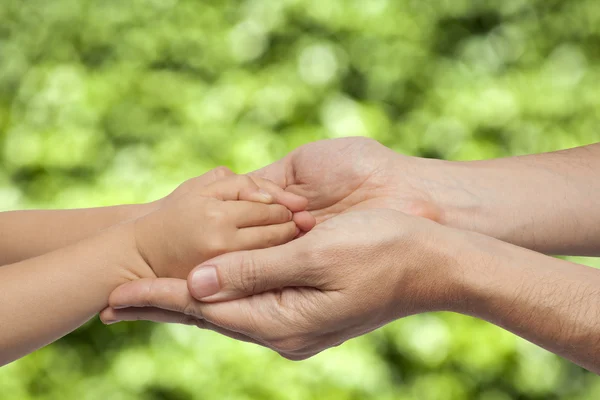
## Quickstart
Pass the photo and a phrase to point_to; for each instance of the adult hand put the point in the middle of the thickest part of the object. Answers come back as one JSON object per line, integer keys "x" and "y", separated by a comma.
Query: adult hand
{"x": 342, "y": 175}
{"x": 349, "y": 275}
{"x": 543, "y": 202}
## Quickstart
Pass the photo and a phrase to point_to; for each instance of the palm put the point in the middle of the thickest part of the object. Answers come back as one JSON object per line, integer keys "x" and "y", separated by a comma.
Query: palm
{"x": 348, "y": 174}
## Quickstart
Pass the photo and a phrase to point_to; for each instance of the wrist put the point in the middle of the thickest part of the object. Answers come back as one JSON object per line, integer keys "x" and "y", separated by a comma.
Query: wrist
{"x": 429, "y": 269}
{"x": 481, "y": 267}
{"x": 149, "y": 241}
{"x": 454, "y": 191}
{"x": 133, "y": 264}
{"x": 122, "y": 260}
{"x": 137, "y": 211}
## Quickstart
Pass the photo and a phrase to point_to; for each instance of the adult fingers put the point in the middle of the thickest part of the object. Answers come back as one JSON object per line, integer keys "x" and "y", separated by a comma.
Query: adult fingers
{"x": 292, "y": 201}
{"x": 240, "y": 274}
{"x": 282, "y": 175}
{"x": 253, "y": 317}
{"x": 204, "y": 324}
{"x": 109, "y": 316}
{"x": 242, "y": 316}
{"x": 171, "y": 294}
{"x": 166, "y": 293}
{"x": 278, "y": 172}
{"x": 155, "y": 314}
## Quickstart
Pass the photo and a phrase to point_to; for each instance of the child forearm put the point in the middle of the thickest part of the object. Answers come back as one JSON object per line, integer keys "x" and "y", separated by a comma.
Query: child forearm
{"x": 44, "y": 298}
{"x": 27, "y": 234}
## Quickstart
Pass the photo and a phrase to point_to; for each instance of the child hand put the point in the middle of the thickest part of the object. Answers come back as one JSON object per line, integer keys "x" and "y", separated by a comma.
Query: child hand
{"x": 202, "y": 222}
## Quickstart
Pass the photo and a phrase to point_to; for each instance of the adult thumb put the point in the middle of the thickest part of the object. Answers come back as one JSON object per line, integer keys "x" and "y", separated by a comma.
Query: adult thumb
{"x": 245, "y": 273}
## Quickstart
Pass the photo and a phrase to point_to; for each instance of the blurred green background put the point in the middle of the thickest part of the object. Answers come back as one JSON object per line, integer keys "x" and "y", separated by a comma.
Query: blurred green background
{"x": 108, "y": 101}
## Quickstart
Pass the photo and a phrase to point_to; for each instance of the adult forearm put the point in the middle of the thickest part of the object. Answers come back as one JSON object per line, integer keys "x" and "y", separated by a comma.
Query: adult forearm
{"x": 545, "y": 202}
{"x": 27, "y": 234}
{"x": 44, "y": 298}
{"x": 550, "y": 302}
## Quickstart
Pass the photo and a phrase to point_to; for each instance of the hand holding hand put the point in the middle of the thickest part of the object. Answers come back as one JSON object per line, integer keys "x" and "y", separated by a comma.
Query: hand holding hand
{"x": 336, "y": 176}
{"x": 348, "y": 276}
{"x": 198, "y": 222}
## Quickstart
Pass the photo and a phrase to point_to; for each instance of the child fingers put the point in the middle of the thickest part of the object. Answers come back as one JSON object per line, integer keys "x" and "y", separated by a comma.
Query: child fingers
{"x": 238, "y": 187}
{"x": 243, "y": 187}
{"x": 247, "y": 214}
{"x": 304, "y": 220}
{"x": 292, "y": 201}
{"x": 202, "y": 181}
{"x": 262, "y": 237}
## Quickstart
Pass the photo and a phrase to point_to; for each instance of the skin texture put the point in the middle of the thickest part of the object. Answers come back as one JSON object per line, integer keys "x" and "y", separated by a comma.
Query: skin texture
{"x": 37, "y": 232}
{"x": 327, "y": 295}
{"x": 49, "y": 230}
{"x": 548, "y": 301}
{"x": 367, "y": 262}
{"x": 44, "y": 298}
{"x": 543, "y": 202}
{"x": 197, "y": 225}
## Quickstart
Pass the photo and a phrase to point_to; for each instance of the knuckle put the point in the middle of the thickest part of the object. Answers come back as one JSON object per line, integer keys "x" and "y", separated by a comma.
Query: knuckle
{"x": 216, "y": 245}
{"x": 248, "y": 278}
{"x": 272, "y": 238}
{"x": 221, "y": 172}
{"x": 245, "y": 181}
{"x": 217, "y": 218}
{"x": 215, "y": 213}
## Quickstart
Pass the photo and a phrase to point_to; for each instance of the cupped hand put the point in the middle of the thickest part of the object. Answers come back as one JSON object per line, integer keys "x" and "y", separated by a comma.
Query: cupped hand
{"x": 341, "y": 175}
{"x": 351, "y": 274}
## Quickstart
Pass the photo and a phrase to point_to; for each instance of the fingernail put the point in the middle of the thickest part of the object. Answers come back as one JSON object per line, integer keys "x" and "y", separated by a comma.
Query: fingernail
{"x": 205, "y": 282}
{"x": 110, "y": 322}
{"x": 266, "y": 195}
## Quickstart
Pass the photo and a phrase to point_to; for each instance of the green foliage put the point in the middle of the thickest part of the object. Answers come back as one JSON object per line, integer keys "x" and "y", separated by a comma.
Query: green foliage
{"x": 106, "y": 101}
